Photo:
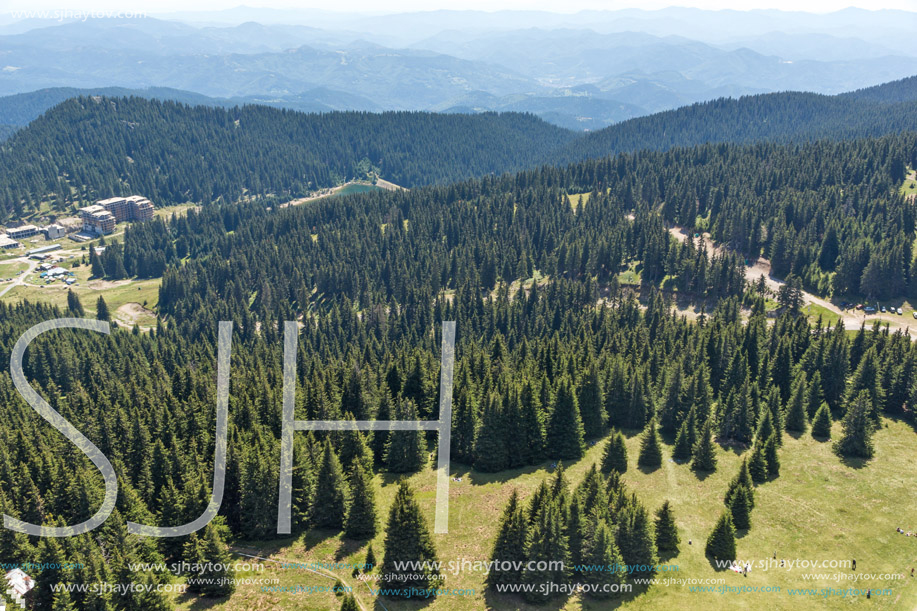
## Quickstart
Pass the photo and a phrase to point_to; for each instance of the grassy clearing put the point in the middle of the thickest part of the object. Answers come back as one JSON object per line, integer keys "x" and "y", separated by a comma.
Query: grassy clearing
{"x": 818, "y": 509}
{"x": 910, "y": 184}
{"x": 178, "y": 210}
{"x": 631, "y": 275}
{"x": 9, "y": 269}
{"x": 138, "y": 298}
{"x": 813, "y": 311}
{"x": 576, "y": 198}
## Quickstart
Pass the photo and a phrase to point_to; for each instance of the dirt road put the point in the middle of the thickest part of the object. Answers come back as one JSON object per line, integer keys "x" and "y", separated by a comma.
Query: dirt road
{"x": 852, "y": 318}
{"x": 20, "y": 279}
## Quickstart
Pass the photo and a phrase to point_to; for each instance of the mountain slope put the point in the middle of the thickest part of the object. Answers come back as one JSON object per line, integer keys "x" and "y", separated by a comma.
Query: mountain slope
{"x": 174, "y": 153}
{"x": 775, "y": 117}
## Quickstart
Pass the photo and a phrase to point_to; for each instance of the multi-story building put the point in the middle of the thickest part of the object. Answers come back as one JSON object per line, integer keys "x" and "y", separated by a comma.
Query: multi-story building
{"x": 6, "y": 243}
{"x": 20, "y": 233}
{"x": 133, "y": 208}
{"x": 102, "y": 217}
{"x": 55, "y": 231}
{"x": 97, "y": 220}
{"x": 141, "y": 209}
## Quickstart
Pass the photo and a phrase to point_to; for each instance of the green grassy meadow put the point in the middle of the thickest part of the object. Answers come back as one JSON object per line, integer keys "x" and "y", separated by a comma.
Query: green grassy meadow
{"x": 819, "y": 509}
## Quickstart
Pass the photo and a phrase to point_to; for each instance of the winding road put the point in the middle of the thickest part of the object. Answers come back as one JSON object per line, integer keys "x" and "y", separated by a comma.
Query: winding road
{"x": 852, "y": 319}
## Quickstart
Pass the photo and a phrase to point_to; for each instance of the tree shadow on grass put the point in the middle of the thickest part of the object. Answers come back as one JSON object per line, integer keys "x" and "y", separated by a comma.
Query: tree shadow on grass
{"x": 665, "y": 556}
{"x": 384, "y": 603}
{"x": 199, "y": 603}
{"x": 479, "y": 478}
{"x": 736, "y": 447}
{"x": 716, "y": 567}
{"x": 316, "y": 536}
{"x": 498, "y": 602}
{"x": 702, "y": 475}
{"x": 348, "y": 547}
{"x": 741, "y": 533}
{"x": 855, "y": 462}
{"x": 647, "y": 470}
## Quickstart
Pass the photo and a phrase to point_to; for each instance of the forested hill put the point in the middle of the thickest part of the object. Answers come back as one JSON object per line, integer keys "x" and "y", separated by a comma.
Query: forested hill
{"x": 774, "y": 117}
{"x": 87, "y": 148}
{"x": 904, "y": 90}
{"x": 90, "y": 147}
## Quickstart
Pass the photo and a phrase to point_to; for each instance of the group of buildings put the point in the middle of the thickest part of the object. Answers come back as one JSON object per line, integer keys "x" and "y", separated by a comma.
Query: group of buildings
{"x": 98, "y": 219}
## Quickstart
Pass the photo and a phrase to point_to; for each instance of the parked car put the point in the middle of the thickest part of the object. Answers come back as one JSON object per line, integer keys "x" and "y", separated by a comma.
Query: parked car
{"x": 899, "y": 311}
{"x": 869, "y": 310}
{"x": 884, "y": 310}
{"x": 859, "y": 306}
{"x": 915, "y": 313}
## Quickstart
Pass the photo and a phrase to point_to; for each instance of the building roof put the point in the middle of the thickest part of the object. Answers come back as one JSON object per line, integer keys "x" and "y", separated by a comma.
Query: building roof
{"x": 19, "y": 582}
{"x": 110, "y": 200}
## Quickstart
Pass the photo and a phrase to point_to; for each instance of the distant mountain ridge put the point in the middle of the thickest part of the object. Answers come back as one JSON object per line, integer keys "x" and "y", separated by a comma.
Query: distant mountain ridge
{"x": 584, "y": 71}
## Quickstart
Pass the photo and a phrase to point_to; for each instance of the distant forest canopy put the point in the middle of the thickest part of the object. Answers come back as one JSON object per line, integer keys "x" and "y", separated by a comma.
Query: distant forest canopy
{"x": 88, "y": 148}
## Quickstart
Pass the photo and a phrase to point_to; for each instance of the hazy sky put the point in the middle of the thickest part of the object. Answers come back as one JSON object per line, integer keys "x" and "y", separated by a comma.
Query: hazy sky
{"x": 564, "y": 6}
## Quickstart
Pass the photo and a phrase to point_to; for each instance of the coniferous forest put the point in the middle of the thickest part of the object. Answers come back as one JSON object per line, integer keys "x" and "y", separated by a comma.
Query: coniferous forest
{"x": 555, "y": 354}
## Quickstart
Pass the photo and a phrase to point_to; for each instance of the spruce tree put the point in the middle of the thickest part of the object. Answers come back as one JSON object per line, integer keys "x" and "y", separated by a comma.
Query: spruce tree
{"x": 575, "y": 531}
{"x": 682, "y": 450}
{"x": 796, "y": 419}
{"x": 510, "y": 543}
{"x": 330, "y": 505}
{"x": 814, "y": 395}
{"x": 546, "y": 542}
{"x": 465, "y": 415}
{"x": 349, "y": 603}
{"x": 533, "y": 431}
{"x": 490, "y": 453}
{"x": 721, "y": 544}
{"x": 407, "y": 450}
{"x": 857, "y": 429}
{"x": 740, "y": 507}
{"x": 353, "y": 449}
{"x": 217, "y": 579}
{"x": 635, "y": 538}
{"x": 704, "y": 456}
{"x": 615, "y": 456}
{"x": 73, "y": 304}
{"x": 773, "y": 460}
{"x": 369, "y": 563}
{"x": 742, "y": 478}
{"x": 666, "y": 531}
{"x": 592, "y": 404}
{"x": 380, "y": 439}
{"x": 564, "y": 439}
{"x": 102, "y": 312}
{"x": 602, "y": 552}
{"x": 757, "y": 464}
{"x": 408, "y": 540}
{"x": 650, "y": 447}
{"x": 97, "y": 270}
{"x": 63, "y": 601}
{"x": 821, "y": 425}
{"x": 361, "y": 516}
{"x": 765, "y": 426}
